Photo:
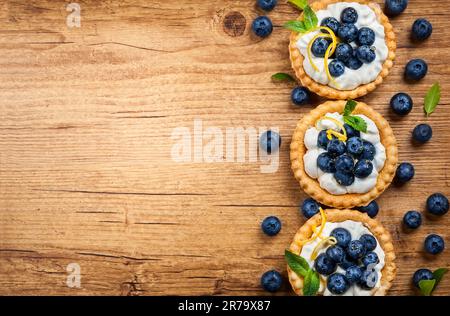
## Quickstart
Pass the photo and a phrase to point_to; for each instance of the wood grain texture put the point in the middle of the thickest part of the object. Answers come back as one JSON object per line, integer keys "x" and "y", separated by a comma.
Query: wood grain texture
{"x": 86, "y": 175}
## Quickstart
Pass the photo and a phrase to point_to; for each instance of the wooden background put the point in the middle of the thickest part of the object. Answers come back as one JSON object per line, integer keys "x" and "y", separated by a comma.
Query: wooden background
{"x": 86, "y": 174}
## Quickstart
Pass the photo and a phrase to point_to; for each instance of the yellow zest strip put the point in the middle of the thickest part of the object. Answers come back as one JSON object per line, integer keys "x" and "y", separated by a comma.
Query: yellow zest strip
{"x": 310, "y": 46}
{"x": 328, "y": 53}
{"x": 316, "y": 234}
{"x": 329, "y": 35}
{"x": 331, "y": 240}
{"x": 341, "y": 137}
{"x": 338, "y": 135}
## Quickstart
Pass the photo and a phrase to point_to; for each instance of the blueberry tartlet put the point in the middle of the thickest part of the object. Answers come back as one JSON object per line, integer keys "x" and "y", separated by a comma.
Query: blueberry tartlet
{"x": 349, "y": 52}
{"x": 344, "y": 154}
{"x": 350, "y": 253}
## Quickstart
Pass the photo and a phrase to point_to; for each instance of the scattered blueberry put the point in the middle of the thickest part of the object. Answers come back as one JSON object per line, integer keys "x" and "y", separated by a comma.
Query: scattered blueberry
{"x": 401, "y": 103}
{"x": 351, "y": 132}
{"x": 320, "y": 46}
{"x": 348, "y": 32}
{"x": 368, "y": 152}
{"x": 422, "y": 274}
{"x": 337, "y": 284}
{"x": 270, "y": 141}
{"x": 354, "y": 63}
{"x": 271, "y": 281}
{"x": 366, "y": 36}
{"x": 422, "y": 133}
{"x": 271, "y": 225}
{"x": 344, "y": 163}
{"x": 370, "y": 242}
{"x": 371, "y": 209}
{"x": 349, "y": 15}
{"x": 356, "y": 249}
{"x": 267, "y": 5}
{"x": 370, "y": 258}
{"x": 326, "y": 163}
{"x": 331, "y": 23}
{"x": 344, "y": 178}
{"x": 336, "y": 147}
{"x": 355, "y": 146}
{"x": 262, "y": 26}
{"x": 322, "y": 139}
{"x": 336, "y": 253}
{"x": 366, "y": 54}
{"x": 395, "y": 7}
{"x": 368, "y": 279}
{"x": 300, "y": 96}
{"x": 353, "y": 274}
{"x": 336, "y": 68}
{"x": 404, "y": 172}
{"x": 363, "y": 168}
{"x": 412, "y": 219}
{"x": 421, "y": 29}
{"x": 342, "y": 236}
{"x": 434, "y": 244}
{"x": 324, "y": 265}
{"x": 437, "y": 204}
{"x": 416, "y": 69}
{"x": 344, "y": 52}
{"x": 310, "y": 207}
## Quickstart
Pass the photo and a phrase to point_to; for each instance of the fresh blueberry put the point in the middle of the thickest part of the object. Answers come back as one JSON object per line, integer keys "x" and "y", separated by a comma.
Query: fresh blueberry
{"x": 270, "y": 141}
{"x": 395, "y": 7}
{"x": 371, "y": 209}
{"x": 355, "y": 146}
{"x": 437, "y": 204}
{"x": 336, "y": 147}
{"x": 326, "y": 163}
{"x": 331, "y": 23}
{"x": 337, "y": 284}
{"x": 353, "y": 274}
{"x": 324, "y": 265}
{"x": 348, "y": 32}
{"x": 412, "y": 219}
{"x": 366, "y": 54}
{"x": 363, "y": 168}
{"x": 416, "y": 69}
{"x": 404, "y": 172}
{"x": 344, "y": 163}
{"x": 267, "y": 5}
{"x": 422, "y": 274}
{"x": 300, "y": 96}
{"x": 350, "y": 131}
{"x": 336, "y": 68}
{"x": 271, "y": 225}
{"x": 368, "y": 152}
{"x": 434, "y": 244}
{"x": 370, "y": 242}
{"x": 320, "y": 46}
{"x": 262, "y": 26}
{"x": 348, "y": 262}
{"x": 401, "y": 103}
{"x": 310, "y": 207}
{"x": 322, "y": 139}
{"x": 366, "y": 36}
{"x": 354, "y": 63}
{"x": 336, "y": 253}
{"x": 422, "y": 133}
{"x": 344, "y": 52}
{"x": 342, "y": 236}
{"x": 368, "y": 279}
{"x": 370, "y": 258}
{"x": 349, "y": 15}
{"x": 344, "y": 178}
{"x": 421, "y": 29}
{"x": 271, "y": 281}
{"x": 356, "y": 249}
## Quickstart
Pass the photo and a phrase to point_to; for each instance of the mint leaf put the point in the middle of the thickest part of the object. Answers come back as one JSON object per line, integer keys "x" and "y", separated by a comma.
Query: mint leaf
{"x": 427, "y": 286}
{"x": 296, "y": 26}
{"x": 432, "y": 98}
{"x": 301, "y": 4}
{"x": 309, "y": 18}
{"x": 438, "y": 274}
{"x": 281, "y": 76}
{"x": 311, "y": 283}
{"x": 356, "y": 122}
{"x": 349, "y": 107}
{"x": 297, "y": 263}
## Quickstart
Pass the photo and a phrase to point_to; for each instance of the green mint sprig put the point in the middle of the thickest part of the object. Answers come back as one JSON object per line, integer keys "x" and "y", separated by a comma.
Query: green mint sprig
{"x": 311, "y": 279}
{"x": 281, "y": 76}
{"x": 309, "y": 21}
{"x": 428, "y": 286}
{"x": 301, "y": 4}
{"x": 354, "y": 121}
{"x": 432, "y": 99}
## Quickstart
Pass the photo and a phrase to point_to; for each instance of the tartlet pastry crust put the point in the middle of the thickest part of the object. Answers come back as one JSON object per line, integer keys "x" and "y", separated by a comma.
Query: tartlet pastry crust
{"x": 333, "y": 215}
{"x": 312, "y": 187}
{"x": 331, "y": 93}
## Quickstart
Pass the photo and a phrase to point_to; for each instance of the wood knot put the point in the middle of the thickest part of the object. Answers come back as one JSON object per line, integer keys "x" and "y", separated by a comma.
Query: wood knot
{"x": 234, "y": 24}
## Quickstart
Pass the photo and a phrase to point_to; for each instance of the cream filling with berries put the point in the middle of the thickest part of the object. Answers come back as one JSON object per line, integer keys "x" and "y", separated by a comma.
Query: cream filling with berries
{"x": 356, "y": 229}
{"x": 351, "y": 79}
{"x": 327, "y": 180}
